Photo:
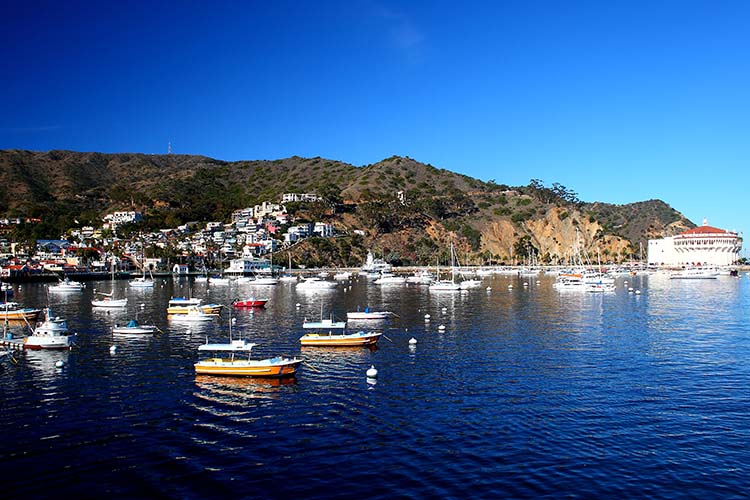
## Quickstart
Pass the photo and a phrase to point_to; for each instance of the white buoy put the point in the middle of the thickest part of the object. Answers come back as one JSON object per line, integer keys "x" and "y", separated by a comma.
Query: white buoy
{"x": 525, "y": 283}
{"x": 298, "y": 305}
{"x": 637, "y": 292}
{"x": 445, "y": 309}
{"x": 234, "y": 320}
{"x": 113, "y": 349}
{"x": 412, "y": 341}
{"x": 630, "y": 290}
{"x": 427, "y": 317}
{"x": 441, "y": 327}
{"x": 143, "y": 306}
{"x": 510, "y": 287}
{"x": 489, "y": 288}
{"x": 372, "y": 372}
{"x": 60, "y": 363}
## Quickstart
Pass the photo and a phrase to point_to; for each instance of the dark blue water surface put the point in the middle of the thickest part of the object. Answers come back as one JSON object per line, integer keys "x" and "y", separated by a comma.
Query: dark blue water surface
{"x": 528, "y": 392}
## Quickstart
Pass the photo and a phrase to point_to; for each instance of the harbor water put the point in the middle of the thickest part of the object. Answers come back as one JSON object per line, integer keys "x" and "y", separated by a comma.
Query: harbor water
{"x": 522, "y": 392}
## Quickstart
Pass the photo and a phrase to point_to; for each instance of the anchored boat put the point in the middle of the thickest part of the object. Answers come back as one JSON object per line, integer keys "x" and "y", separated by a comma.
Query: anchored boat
{"x": 50, "y": 334}
{"x": 340, "y": 339}
{"x": 233, "y": 365}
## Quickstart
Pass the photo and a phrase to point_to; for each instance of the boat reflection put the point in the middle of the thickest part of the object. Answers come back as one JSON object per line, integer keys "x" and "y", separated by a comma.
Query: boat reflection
{"x": 254, "y": 383}
{"x": 46, "y": 364}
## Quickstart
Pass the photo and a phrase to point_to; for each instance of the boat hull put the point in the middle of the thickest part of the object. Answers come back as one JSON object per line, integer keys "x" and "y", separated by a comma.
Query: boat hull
{"x": 139, "y": 330}
{"x": 362, "y": 316}
{"x": 248, "y": 368}
{"x": 208, "y": 309}
{"x": 20, "y": 316}
{"x": 56, "y": 342}
{"x": 340, "y": 340}
{"x": 250, "y": 303}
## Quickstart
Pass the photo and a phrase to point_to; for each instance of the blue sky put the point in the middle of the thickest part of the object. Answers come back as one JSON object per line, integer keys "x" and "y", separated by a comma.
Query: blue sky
{"x": 620, "y": 101}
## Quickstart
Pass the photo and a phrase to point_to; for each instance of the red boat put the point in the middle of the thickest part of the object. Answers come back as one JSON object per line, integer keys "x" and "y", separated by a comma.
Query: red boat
{"x": 250, "y": 303}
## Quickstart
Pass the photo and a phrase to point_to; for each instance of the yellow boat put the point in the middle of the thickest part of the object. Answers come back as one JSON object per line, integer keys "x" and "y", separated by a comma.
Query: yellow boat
{"x": 341, "y": 339}
{"x": 275, "y": 367}
{"x": 207, "y": 308}
{"x": 22, "y": 316}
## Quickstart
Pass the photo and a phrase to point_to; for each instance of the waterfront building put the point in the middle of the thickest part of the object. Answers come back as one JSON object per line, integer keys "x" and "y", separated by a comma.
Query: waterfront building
{"x": 701, "y": 246}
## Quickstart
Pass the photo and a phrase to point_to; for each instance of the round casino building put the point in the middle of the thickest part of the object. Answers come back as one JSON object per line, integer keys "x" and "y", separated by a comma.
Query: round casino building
{"x": 701, "y": 246}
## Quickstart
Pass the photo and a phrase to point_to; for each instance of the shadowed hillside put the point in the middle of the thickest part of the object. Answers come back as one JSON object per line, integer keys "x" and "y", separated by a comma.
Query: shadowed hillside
{"x": 409, "y": 210}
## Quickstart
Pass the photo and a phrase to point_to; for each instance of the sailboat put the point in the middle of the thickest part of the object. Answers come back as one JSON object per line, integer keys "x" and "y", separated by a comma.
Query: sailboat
{"x": 288, "y": 277}
{"x": 108, "y": 300}
{"x": 143, "y": 282}
{"x": 134, "y": 328}
{"x": 266, "y": 278}
{"x": 447, "y": 285}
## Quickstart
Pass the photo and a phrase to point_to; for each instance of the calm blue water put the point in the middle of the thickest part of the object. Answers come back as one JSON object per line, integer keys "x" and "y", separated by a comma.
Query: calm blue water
{"x": 527, "y": 392}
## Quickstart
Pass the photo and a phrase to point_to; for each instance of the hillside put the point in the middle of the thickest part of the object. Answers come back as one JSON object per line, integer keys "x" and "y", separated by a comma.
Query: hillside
{"x": 409, "y": 210}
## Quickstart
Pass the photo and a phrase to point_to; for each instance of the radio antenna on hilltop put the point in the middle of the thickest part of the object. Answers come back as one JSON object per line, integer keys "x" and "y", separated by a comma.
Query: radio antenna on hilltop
{"x": 169, "y": 148}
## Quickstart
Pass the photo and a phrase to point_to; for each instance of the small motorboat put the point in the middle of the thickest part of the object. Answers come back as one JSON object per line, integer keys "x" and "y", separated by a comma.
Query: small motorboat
{"x": 184, "y": 301}
{"x": 206, "y": 308}
{"x": 251, "y": 302}
{"x": 193, "y": 315}
{"x": 368, "y": 315}
{"x": 134, "y": 328}
{"x": 107, "y": 300}
{"x": 13, "y": 313}
{"x": 50, "y": 334}
{"x": 324, "y": 324}
{"x": 316, "y": 283}
{"x": 341, "y": 339}
{"x": 142, "y": 282}
{"x": 66, "y": 286}
{"x": 231, "y": 365}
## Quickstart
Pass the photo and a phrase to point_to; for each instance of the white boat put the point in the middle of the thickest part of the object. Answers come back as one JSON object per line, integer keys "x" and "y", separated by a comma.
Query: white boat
{"x": 315, "y": 283}
{"x": 569, "y": 281}
{"x": 450, "y": 285}
{"x": 324, "y": 324}
{"x": 265, "y": 280}
{"x": 387, "y": 278}
{"x": 368, "y": 315}
{"x": 218, "y": 280}
{"x": 423, "y": 277}
{"x": 444, "y": 286}
{"x": 134, "y": 328}
{"x": 66, "y": 286}
{"x": 193, "y": 315}
{"x": 50, "y": 334}
{"x": 108, "y": 300}
{"x": 184, "y": 302}
{"x": 694, "y": 274}
{"x": 466, "y": 284}
{"x": 288, "y": 277}
{"x": 373, "y": 265}
{"x": 142, "y": 282}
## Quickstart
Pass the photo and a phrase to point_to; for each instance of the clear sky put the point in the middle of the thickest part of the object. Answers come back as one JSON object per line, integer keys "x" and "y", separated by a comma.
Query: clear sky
{"x": 620, "y": 101}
